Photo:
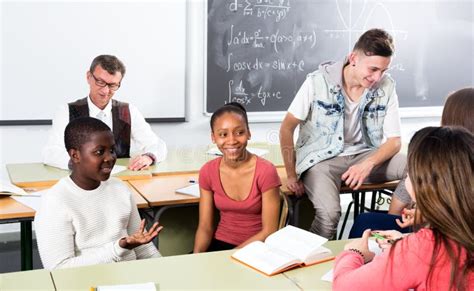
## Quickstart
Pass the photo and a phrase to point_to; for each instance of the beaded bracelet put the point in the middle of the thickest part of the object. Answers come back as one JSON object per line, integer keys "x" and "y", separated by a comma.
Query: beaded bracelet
{"x": 357, "y": 252}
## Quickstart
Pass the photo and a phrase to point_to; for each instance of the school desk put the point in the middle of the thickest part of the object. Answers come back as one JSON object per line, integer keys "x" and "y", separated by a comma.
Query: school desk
{"x": 206, "y": 271}
{"x": 191, "y": 159}
{"x": 33, "y": 175}
{"x": 39, "y": 280}
{"x": 12, "y": 211}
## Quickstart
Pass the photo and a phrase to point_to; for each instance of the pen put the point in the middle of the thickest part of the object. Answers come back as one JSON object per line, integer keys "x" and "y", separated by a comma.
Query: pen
{"x": 376, "y": 235}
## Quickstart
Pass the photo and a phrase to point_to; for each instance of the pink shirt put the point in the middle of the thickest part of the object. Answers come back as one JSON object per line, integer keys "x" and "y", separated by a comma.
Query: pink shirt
{"x": 407, "y": 267}
{"x": 239, "y": 220}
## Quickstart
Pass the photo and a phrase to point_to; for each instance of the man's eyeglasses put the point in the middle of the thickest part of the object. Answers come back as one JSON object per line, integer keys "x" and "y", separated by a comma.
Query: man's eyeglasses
{"x": 102, "y": 84}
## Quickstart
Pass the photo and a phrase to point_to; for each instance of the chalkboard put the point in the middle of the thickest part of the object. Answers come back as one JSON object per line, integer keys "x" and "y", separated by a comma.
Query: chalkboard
{"x": 260, "y": 51}
{"x": 47, "y": 46}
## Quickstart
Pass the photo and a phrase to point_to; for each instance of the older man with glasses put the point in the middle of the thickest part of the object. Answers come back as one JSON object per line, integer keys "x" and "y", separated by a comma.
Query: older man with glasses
{"x": 133, "y": 135}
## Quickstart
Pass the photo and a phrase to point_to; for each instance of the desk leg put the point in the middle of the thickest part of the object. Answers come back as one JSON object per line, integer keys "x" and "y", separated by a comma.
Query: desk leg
{"x": 362, "y": 202}
{"x": 356, "y": 197}
{"x": 26, "y": 246}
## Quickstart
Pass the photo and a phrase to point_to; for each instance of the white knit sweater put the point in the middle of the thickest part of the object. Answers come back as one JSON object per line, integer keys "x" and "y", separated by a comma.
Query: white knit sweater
{"x": 75, "y": 227}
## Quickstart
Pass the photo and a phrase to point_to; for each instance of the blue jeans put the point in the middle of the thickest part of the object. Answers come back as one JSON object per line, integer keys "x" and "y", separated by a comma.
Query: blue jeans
{"x": 376, "y": 221}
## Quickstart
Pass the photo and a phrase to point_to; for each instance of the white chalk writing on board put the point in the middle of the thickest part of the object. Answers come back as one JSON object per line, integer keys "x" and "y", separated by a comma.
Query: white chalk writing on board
{"x": 260, "y": 51}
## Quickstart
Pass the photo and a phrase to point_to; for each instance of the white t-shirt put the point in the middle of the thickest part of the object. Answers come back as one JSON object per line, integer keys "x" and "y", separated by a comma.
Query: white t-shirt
{"x": 353, "y": 141}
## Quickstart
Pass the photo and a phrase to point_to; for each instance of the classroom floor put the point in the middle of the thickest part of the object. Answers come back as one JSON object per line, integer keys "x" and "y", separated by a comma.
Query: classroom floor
{"x": 10, "y": 256}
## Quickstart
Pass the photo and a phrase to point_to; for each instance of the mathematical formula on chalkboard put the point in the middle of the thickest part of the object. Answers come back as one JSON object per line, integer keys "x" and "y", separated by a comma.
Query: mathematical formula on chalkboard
{"x": 260, "y": 51}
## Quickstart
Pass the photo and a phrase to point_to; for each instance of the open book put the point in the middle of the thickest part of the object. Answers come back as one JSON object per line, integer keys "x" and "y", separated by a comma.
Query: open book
{"x": 8, "y": 189}
{"x": 287, "y": 248}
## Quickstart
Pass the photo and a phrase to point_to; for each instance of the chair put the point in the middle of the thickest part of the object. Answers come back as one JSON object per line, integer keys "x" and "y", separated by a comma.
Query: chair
{"x": 358, "y": 198}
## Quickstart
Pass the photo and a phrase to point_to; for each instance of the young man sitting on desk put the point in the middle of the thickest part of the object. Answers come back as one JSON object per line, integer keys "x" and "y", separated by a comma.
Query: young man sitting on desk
{"x": 87, "y": 218}
{"x": 347, "y": 112}
{"x": 133, "y": 136}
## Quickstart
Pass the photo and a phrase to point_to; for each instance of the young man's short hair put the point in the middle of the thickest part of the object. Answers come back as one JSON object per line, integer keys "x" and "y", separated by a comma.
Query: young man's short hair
{"x": 109, "y": 63}
{"x": 79, "y": 130}
{"x": 375, "y": 42}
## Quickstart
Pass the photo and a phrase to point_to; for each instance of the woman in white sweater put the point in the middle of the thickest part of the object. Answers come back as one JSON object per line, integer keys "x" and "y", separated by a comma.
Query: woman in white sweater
{"x": 87, "y": 218}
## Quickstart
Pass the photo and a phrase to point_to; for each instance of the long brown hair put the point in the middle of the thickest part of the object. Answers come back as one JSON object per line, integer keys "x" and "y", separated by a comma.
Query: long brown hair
{"x": 459, "y": 109}
{"x": 440, "y": 165}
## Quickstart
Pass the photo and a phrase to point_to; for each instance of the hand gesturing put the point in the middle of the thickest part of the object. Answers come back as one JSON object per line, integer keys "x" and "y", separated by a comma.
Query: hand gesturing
{"x": 142, "y": 236}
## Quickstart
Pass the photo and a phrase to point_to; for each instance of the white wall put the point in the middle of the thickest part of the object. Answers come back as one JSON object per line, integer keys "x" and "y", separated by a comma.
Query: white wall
{"x": 22, "y": 144}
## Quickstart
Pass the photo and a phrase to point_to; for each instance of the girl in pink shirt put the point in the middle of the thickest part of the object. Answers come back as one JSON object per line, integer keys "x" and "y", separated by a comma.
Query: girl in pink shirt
{"x": 244, "y": 188}
{"x": 439, "y": 255}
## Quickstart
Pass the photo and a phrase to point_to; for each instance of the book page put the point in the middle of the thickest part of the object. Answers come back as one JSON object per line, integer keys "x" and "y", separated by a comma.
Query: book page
{"x": 317, "y": 255}
{"x": 265, "y": 259}
{"x": 7, "y": 188}
{"x": 296, "y": 242}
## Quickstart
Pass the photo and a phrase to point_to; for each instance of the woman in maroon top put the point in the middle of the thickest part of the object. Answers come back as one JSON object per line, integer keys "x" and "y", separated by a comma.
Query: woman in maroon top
{"x": 244, "y": 188}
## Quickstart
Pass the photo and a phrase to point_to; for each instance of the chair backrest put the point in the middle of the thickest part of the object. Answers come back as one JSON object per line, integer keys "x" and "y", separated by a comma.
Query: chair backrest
{"x": 284, "y": 208}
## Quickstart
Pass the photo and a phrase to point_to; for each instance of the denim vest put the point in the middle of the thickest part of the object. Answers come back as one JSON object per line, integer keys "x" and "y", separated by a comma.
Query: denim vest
{"x": 321, "y": 135}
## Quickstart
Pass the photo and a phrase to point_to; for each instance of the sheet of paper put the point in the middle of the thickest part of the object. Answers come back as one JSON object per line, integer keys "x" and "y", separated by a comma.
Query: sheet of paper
{"x": 256, "y": 151}
{"x": 117, "y": 169}
{"x": 192, "y": 190}
{"x": 32, "y": 200}
{"x": 374, "y": 247}
{"x": 150, "y": 286}
{"x": 328, "y": 276}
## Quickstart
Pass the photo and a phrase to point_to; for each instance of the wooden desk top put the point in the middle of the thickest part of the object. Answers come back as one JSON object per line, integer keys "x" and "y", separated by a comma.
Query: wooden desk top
{"x": 27, "y": 280}
{"x": 40, "y": 175}
{"x": 191, "y": 159}
{"x": 207, "y": 271}
{"x": 141, "y": 202}
{"x": 160, "y": 190}
{"x": 390, "y": 185}
{"x": 11, "y": 209}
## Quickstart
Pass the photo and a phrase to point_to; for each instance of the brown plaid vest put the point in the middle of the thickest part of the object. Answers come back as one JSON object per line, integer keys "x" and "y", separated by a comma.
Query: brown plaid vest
{"x": 121, "y": 122}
